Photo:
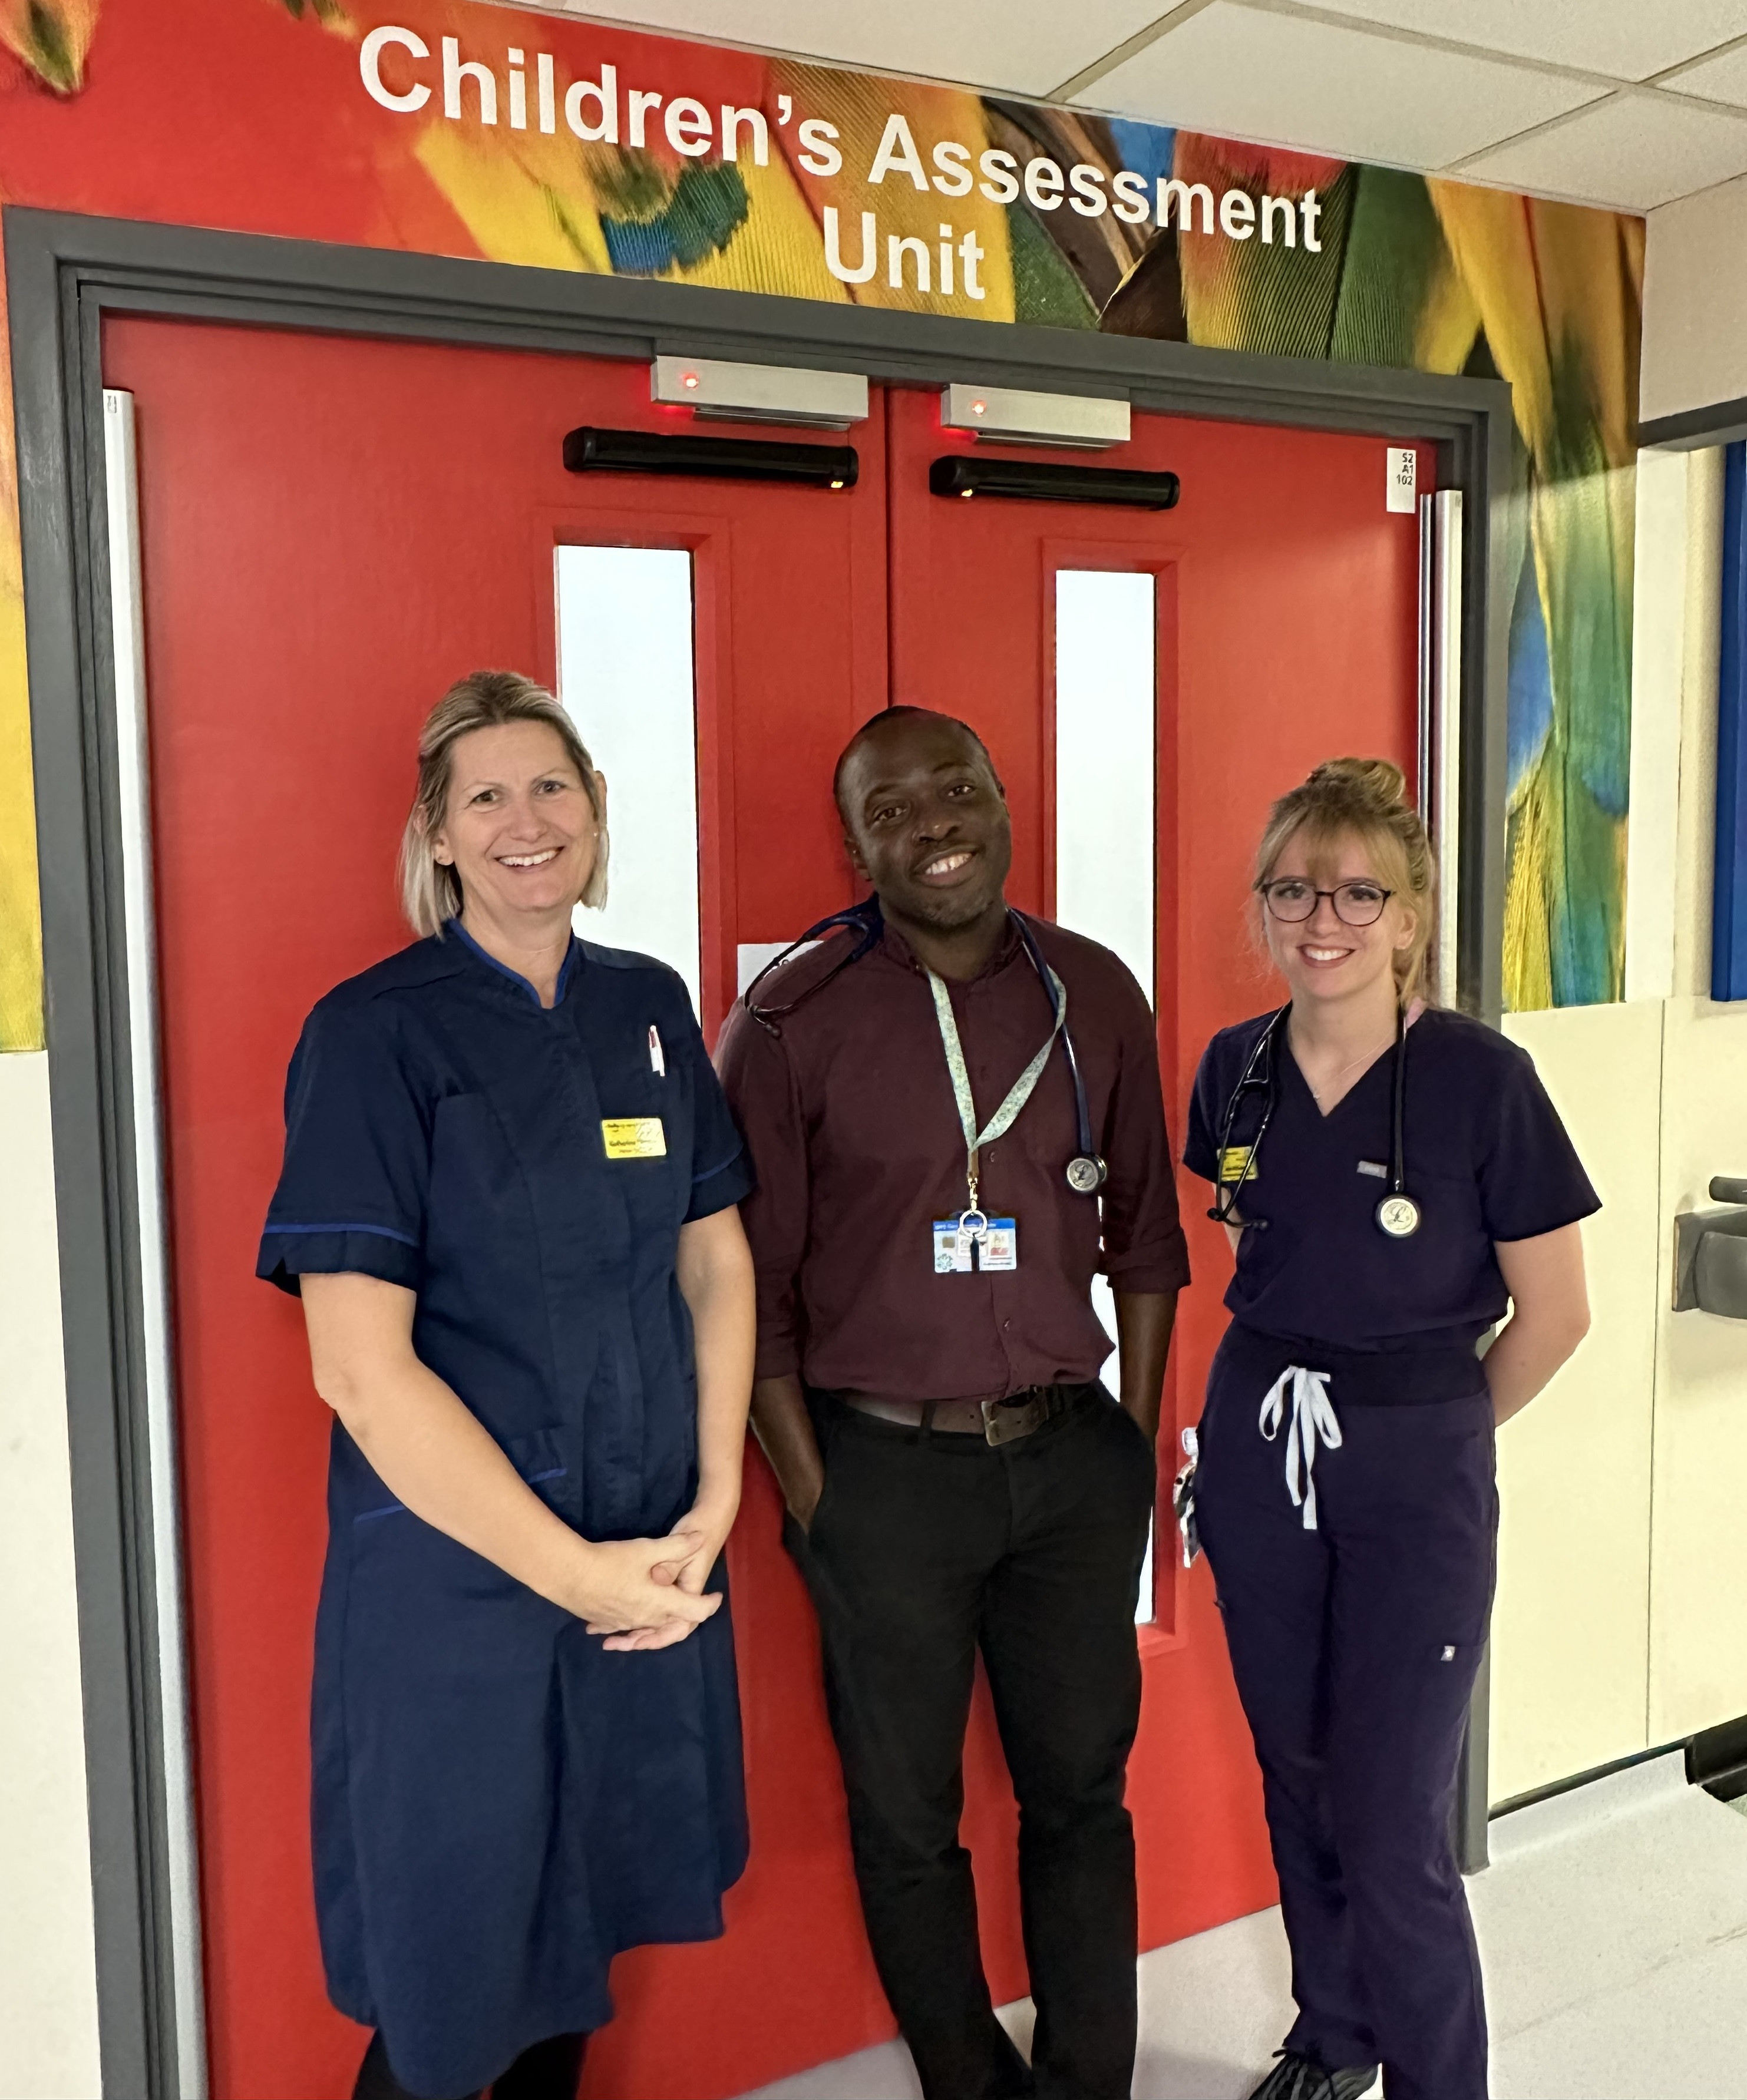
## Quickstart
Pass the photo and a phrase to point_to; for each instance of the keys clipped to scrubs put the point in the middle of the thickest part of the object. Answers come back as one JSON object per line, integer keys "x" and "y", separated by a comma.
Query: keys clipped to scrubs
{"x": 1182, "y": 1499}
{"x": 995, "y": 1240}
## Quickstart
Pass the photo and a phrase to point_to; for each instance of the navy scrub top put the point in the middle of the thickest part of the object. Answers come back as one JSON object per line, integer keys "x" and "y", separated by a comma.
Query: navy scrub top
{"x": 1486, "y": 1158}
{"x": 501, "y": 1805}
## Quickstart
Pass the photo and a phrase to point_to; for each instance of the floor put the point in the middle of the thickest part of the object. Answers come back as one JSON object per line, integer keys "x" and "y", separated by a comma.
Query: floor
{"x": 1612, "y": 1925}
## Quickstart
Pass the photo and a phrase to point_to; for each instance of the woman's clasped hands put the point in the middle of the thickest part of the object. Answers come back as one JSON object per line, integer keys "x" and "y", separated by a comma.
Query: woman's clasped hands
{"x": 648, "y": 1593}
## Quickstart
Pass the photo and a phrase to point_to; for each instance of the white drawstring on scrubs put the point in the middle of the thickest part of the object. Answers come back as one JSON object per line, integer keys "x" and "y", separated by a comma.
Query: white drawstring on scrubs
{"x": 1313, "y": 1417}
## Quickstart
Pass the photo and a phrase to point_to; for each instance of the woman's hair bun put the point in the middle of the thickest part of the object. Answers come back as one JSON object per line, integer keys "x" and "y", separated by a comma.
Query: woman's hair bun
{"x": 1381, "y": 783}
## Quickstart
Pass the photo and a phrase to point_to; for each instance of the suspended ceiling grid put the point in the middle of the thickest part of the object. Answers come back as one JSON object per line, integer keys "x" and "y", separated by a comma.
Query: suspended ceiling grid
{"x": 1626, "y": 103}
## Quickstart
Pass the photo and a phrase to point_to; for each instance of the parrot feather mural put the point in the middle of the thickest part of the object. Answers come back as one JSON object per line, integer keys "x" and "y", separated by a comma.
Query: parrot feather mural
{"x": 1406, "y": 271}
{"x": 50, "y": 38}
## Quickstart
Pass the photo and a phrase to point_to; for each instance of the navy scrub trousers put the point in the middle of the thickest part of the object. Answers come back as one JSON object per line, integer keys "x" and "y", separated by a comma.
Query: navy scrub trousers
{"x": 501, "y": 1805}
{"x": 1356, "y": 1623}
{"x": 1354, "y": 1646}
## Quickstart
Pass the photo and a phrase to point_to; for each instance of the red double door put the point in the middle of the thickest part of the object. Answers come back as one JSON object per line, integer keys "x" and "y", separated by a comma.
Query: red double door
{"x": 332, "y": 531}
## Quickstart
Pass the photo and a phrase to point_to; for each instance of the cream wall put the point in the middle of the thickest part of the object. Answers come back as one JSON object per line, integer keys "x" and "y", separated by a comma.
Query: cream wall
{"x": 1571, "y": 1629}
{"x": 48, "y": 1986}
{"x": 1698, "y": 1588}
{"x": 1621, "y": 1620}
{"x": 1695, "y": 336}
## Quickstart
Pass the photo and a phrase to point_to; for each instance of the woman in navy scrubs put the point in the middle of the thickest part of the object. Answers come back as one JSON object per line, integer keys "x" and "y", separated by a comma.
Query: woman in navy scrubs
{"x": 509, "y": 1202}
{"x": 1344, "y": 1489}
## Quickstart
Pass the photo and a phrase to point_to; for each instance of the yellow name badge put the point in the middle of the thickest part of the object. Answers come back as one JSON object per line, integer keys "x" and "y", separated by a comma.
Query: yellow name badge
{"x": 1236, "y": 1163}
{"x": 633, "y": 1137}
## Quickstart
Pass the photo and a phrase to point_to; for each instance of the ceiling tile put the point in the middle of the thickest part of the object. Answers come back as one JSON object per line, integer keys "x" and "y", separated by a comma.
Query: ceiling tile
{"x": 990, "y": 43}
{"x": 1294, "y": 82}
{"x": 1629, "y": 39}
{"x": 1632, "y": 151}
{"x": 1721, "y": 79}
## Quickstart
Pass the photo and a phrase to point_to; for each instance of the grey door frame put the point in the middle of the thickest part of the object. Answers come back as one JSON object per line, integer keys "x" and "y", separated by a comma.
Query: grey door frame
{"x": 64, "y": 274}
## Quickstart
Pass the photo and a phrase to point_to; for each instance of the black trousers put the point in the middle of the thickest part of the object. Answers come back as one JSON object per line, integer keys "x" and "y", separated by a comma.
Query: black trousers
{"x": 924, "y": 1550}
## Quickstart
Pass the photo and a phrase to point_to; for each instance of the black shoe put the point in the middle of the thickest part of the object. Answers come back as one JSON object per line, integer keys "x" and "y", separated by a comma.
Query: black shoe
{"x": 1296, "y": 2077}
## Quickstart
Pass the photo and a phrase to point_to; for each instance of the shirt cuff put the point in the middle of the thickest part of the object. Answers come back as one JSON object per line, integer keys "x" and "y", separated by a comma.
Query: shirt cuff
{"x": 731, "y": 1182}
{"x": 1162, "y": 1267}
{"x": 1553, "y": 1219}
{"x": 778, "y": 1356}
{"x": 340, "y": 1250}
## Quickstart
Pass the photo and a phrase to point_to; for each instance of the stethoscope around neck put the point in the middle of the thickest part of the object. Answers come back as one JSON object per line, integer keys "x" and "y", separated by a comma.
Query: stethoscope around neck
{"x": 1397, "y": 1215}
{"x": 1085, "y": 1173}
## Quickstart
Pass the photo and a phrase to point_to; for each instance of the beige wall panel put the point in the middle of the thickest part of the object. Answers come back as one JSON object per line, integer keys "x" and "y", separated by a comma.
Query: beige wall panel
{"x": 1695, "y": 337}
{"x": 1571, "y": 1627}
{"x": 48, "y": 1983}
{"x": 1698, "y": 1592}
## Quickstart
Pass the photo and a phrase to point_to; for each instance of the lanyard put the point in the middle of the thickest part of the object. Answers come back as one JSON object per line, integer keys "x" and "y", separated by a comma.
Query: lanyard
{"x": 1004, "y": 1117}
{"x": 1087, "y": 1173}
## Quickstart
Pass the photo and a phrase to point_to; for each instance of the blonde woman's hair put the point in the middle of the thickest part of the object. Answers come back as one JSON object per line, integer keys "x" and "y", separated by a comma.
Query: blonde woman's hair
{"x": 1365, "y": 799}
{"x": 430, "y": 891}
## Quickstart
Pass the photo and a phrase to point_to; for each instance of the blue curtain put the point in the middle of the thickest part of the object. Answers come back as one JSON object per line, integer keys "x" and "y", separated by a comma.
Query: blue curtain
{"x": 1728, "y": 950}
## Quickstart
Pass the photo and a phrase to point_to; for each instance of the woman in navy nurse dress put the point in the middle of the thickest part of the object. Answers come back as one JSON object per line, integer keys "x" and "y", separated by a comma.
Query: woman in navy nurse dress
{"x": 1345, "y": 1490}
{"x": 508, "y": 1200}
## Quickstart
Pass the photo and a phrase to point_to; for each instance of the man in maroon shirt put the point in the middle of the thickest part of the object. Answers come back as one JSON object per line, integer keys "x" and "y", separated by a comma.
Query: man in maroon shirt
{"x": 956, "y": 1478}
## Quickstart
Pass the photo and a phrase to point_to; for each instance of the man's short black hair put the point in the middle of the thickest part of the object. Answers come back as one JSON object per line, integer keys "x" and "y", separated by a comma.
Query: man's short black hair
{"x": 898, "y": 713}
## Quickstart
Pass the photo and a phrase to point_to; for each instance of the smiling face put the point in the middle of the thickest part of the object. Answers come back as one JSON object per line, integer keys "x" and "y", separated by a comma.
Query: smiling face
{"x": 520, "y": 830}
{"x": 925, "y": 822}
{"x": 1322, "y": 958}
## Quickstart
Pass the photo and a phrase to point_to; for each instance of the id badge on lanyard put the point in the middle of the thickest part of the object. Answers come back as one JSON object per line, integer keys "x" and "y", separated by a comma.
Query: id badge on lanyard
{"x": 960, "y": 1247}
{"x": 973, "y": 1240}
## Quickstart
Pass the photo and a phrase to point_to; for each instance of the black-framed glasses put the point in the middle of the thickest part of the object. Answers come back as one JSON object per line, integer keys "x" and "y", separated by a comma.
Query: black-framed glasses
{"x": 1292, "y": 900}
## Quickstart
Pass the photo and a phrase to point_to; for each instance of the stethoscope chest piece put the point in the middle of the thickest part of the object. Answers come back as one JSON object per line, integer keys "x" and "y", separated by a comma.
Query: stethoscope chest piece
{"x": 1397, "y": 1215}
{"x": 1087, "y": 1174}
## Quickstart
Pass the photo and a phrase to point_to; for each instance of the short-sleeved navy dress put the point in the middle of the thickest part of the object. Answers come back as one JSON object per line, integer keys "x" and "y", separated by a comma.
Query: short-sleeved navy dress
{"x": 501, "y": 1805}
{"x": 1345, "y": 1496}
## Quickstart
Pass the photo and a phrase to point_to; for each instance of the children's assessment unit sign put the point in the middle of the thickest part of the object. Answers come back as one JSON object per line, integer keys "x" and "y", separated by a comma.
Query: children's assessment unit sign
{"x": 400, "y": 71}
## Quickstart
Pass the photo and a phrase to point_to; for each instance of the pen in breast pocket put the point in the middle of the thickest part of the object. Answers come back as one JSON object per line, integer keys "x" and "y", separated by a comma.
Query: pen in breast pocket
{"x": 658, "y": 1059}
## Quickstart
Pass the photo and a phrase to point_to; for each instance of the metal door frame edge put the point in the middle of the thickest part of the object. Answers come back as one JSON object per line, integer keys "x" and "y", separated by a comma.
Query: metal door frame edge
{"x": 64, "y": 272}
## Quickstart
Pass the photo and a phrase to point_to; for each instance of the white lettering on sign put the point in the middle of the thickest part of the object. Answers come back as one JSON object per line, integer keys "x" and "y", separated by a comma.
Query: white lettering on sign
{"x": 369, "y": 67}
{"x": 400, "y": 73}
{"x": 1402, "y": 484}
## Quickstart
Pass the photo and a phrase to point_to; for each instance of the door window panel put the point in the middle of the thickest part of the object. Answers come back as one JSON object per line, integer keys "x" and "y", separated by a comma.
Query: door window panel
{"x": 1106, "y": 838}
{"x": 1106, "y": 678}
{"x": 626, "y": 677}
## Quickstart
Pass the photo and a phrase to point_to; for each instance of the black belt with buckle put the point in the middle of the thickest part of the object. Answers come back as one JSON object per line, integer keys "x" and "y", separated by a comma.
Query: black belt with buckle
{"x": 998, "y": 1422}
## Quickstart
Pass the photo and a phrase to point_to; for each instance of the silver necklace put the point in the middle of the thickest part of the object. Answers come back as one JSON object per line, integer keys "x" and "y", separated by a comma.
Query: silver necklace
{"x": 1365, "y": 1057}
